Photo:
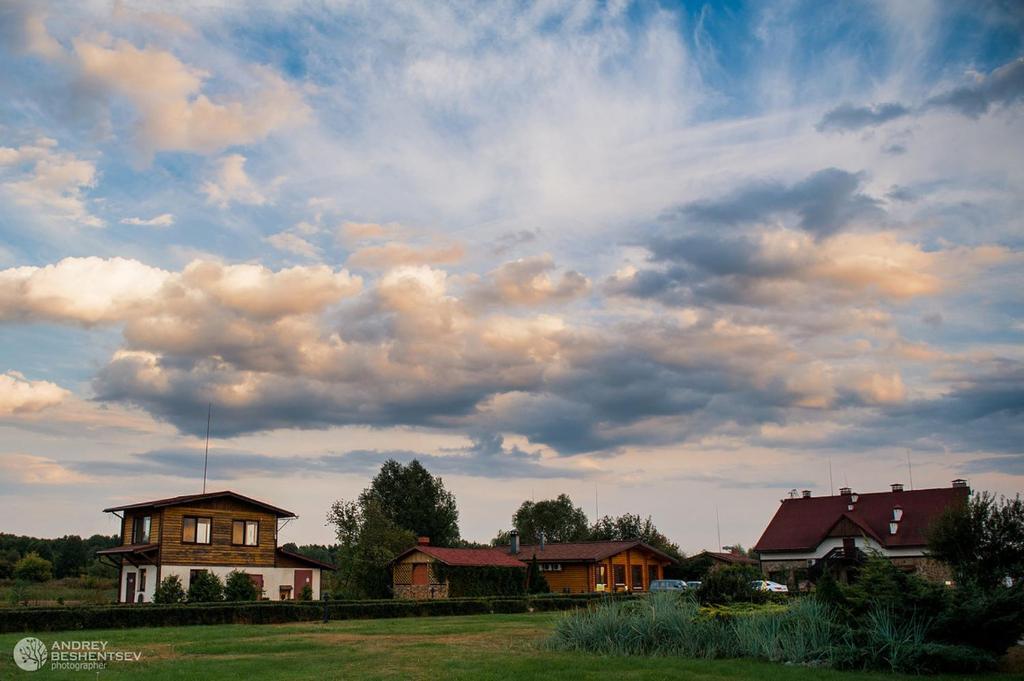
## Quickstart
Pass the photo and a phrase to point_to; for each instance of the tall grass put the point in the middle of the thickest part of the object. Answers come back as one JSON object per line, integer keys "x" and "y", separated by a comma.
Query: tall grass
{"x": 672, "y": 624}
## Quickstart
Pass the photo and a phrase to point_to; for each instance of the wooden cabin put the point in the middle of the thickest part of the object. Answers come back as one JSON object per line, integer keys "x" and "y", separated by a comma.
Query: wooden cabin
{"x": 576, "y": 567}
{"x": 217, "y": 532}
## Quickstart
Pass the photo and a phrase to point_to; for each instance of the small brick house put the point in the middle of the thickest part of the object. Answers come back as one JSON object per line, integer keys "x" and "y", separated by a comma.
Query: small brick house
{"x": 809, "y": 534}
{"x": 572, "y": 567}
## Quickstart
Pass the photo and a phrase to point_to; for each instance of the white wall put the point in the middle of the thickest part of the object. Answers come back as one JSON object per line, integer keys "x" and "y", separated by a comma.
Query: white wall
{"x": 147, "y": 595}
{"x": 865, "y": 544}
{"x": 273, "y": 577}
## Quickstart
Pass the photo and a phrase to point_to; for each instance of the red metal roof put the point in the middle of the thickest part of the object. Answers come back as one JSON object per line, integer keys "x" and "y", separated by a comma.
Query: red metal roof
{"x": 583, "y": 551}
{"x": 802, "y": 524}
{"x": 727, "y": 557}
{"x": 191, "y": 498}
{"x": 467, "y": 557}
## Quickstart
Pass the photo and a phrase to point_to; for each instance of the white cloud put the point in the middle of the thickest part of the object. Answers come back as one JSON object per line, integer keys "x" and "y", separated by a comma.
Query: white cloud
{"x": 19, "y": 395}
{"x": 231, "y": 184}
{"x": 27, "y": 469}
{"x": 50, "y": 183}
{"x": 293, "y": 243}
{"x": 162, "y": 220}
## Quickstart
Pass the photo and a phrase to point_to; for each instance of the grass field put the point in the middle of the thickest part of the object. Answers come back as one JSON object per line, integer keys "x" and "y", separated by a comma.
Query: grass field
{"x": 72, "y": 590}
{"x": 476, "y": 647}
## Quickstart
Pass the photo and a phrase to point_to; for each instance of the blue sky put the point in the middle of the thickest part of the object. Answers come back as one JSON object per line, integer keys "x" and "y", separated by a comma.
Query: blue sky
{"x": 677, "y": 256}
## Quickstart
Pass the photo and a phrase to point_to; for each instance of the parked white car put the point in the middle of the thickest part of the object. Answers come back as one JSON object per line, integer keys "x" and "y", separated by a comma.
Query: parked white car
{"x": 668, "y": 585}
{"x": 765, "y": 585}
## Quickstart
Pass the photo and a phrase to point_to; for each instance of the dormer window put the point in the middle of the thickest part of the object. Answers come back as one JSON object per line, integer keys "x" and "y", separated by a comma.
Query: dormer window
{"x": 897, "y": 514}
{"x": 853, "y": 498}
{"x": 893, "y": 526}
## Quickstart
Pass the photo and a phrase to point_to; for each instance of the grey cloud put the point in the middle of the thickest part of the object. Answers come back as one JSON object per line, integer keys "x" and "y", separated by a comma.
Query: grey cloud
{"x": 510, "y": 240}
{"x": 825, "y": 201}
{"x": 485, "y": 457}
{"x": 1003, "y": 86}
{"x": 847, "y": 116}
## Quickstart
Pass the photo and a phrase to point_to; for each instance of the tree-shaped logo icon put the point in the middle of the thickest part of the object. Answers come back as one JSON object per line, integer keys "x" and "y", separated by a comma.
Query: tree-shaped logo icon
{"x": 30, "y": 654}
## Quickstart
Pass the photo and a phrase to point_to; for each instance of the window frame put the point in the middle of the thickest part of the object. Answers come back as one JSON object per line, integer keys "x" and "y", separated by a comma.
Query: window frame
{"x": 140, "y": 521}
{"x": 197, "y": 518}
{"x": 245, "y": 531}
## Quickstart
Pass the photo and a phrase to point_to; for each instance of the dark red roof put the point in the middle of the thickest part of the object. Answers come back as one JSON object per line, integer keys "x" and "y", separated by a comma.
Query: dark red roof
{"x": 305, "y": 559}
{"x": 802, "y": 524}
{"x": 734, "y": 558}
{"x": 191, "y": 498}
{"x": 467, "y": 557}
{"x": 584, "y": 551}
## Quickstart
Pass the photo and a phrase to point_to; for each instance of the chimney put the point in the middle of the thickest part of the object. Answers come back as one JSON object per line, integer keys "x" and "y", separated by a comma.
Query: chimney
{"x": 513, "y": 542}
{"x": 806, "y": 494}
{"x": 897, "y": 486}
{"x": 844, "y": 491}
{"x": 959, "y": 482}
{"x": 542, "y": 541}
{"x": 423, "y": 541}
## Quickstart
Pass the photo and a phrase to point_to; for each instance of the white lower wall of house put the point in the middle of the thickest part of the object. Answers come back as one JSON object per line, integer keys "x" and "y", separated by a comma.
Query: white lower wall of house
{"x": 273, "y": 577}
{"x": 865, "y": 544}
{"x": 147, "y": 593}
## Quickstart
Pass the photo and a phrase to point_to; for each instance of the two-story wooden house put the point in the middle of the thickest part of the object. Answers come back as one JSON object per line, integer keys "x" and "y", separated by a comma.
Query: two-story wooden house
{"x": 215, "y": 532}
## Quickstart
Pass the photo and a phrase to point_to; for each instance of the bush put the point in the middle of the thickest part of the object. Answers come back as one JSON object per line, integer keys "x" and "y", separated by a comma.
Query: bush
{"x": 482, "y": 582}
{"x": 536, "y": 582}
{"x": 205, "y": 587}
{"x": 730, "y": 584}
{"x": 239, "y": 587}
{"x": 33, "y": 568}
{"x": 307, "y": 593}
{"x": 169, "y": 590}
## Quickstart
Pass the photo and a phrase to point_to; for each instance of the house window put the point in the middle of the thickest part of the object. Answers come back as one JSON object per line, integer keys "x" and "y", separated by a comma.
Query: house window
{"x": 192, "y": 574}
{"x": 620, "y": 575}
{"x": 652, "y": 573}
{"x": 142, "y": 579}
{"x": 196, "y": 530}
{"x": 550, "y": 567}
{"x": 897, "y": 514}
{"x": 602, "y": 577}
{"x": 140, "y": 529}
{"x": 638, "y": 577}
{"x": 245, "y": 532}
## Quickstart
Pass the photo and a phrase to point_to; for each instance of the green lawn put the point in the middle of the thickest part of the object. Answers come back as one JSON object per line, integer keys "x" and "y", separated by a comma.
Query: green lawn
{"x": 435, "y": 648}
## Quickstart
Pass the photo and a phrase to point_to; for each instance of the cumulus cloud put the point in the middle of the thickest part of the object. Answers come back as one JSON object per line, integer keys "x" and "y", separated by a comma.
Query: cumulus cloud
{"x": 528, "y": 281}
{"x": 162, "y": 220}
{"x": 232, "y": 184}
{"x": 51, "y": 183}
{"x": 19, "y": 395}
{"x": 175, "y": 109}
{"x": 825, "y": 202}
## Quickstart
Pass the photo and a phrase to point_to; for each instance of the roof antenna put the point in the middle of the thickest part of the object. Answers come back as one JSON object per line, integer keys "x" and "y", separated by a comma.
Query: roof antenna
{"x": 206, "y": 455}
{"x": 831, "y": 488}
{"x": 718, "y": 525}
{"x": 910, "y": 471}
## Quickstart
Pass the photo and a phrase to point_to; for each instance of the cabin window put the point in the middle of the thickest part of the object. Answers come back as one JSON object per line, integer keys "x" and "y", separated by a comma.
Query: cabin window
{"x": 192, "y": 574}
{"x": 141, "y": 528}
{"x": 602, "y": 575}
{"x": 638, "y": 577}
{"x": 620, "y": 575}
{"x": 245, "y": 532}
{"x": 550, "y": 567}
{"x": 196, "y": 530}
{"x": 652, "y": 573}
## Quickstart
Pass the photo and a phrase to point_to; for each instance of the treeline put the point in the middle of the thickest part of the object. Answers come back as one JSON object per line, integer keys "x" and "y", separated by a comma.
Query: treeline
{"x": 404, "y": 501}
{"x": 67, "y": 556}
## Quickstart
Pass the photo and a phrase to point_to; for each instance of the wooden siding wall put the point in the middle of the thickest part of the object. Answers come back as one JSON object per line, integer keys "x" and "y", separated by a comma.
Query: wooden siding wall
{"x": 128, "y": 525}
{"x": 220, "y": 551}
{"x": 629, "y": 559}
{"x": 573, "y": 576}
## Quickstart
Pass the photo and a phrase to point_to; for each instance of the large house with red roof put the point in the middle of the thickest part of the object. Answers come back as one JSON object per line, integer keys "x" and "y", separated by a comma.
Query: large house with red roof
{"x": 571, "y": 567}
{"x": 809, "y": 534}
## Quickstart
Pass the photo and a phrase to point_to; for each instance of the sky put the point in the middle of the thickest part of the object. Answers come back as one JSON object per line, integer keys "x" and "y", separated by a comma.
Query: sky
{"x": 673, "y": 259}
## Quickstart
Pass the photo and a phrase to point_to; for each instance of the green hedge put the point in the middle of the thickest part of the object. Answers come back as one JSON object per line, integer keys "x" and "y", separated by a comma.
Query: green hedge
{"x": 25, "y": 619}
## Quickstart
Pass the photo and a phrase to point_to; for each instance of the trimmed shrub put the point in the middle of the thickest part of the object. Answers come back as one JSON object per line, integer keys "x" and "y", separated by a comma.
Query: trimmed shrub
{"x": 205, "y": 587}
{"x": 482, "y": 582}
{"x": 239, "y": 587}
{"x": 33, "y": 568}
{"x": 169, "y": 590}
{"x": 536, "y": 582}
{"x": 307, "y": 593}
